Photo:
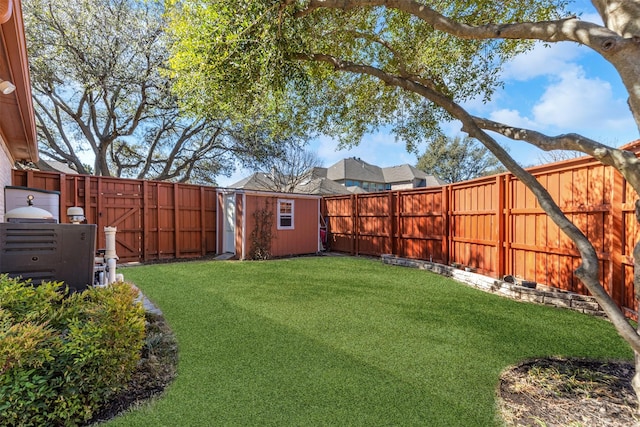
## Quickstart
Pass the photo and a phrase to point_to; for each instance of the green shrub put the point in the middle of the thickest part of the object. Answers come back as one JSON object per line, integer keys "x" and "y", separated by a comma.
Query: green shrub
{"x": 61, "y": 356}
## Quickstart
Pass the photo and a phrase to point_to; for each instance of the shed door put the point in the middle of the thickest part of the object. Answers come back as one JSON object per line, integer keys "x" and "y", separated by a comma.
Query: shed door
{"x": 229, "y": 240}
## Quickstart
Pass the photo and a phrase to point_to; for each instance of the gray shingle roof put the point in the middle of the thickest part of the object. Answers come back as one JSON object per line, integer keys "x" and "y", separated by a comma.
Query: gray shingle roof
{"x": 402, "y": 173}
{"x": 407, "y": 173}
{"x": 355, "y": 169}
{"x": 255, "y": 181}
{"x": 322, "y": 186}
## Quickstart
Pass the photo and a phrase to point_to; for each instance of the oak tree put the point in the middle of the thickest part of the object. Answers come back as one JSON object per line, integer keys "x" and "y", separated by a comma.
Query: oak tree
{"x": 102, "y": 95}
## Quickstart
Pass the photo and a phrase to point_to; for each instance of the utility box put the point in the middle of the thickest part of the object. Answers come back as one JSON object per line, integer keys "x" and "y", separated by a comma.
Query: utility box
{"x": 16, "y": 197}
{"x": 49, "y": 252}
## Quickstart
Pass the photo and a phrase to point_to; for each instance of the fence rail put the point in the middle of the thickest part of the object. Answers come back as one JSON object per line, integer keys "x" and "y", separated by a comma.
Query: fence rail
{"x": 496, "y": 227}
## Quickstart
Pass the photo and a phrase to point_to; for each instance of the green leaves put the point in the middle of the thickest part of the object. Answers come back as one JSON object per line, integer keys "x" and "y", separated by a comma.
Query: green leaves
{"x": 263, "y": 60}
{"x": 61, "y": 357}
{"x": 457, "y": 159}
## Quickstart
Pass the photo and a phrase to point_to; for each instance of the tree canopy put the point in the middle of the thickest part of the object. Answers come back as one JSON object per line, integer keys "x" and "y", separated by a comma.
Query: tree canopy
{"x": 347, "y": 67}
{"x": 457, "y": 159}
{"x": 277, "y": 59}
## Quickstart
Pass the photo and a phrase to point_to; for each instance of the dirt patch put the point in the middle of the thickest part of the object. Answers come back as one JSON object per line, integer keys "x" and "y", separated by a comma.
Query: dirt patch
{"x": 568, "y": 392}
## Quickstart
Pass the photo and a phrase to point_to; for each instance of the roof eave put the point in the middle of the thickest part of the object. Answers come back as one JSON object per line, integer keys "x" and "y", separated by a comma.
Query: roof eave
{"x": 17, "y": 128}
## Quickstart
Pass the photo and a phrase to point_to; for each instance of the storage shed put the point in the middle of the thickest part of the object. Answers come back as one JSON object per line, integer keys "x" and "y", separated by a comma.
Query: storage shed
{"x": 260, "y": 225}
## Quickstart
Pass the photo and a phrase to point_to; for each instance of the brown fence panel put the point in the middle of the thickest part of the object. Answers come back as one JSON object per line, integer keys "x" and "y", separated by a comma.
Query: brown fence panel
{"x": 209, "y": 214}
{"x": 496, "y": 226}
{"x": 155, "y": 220}
{"x": 119, "y": 204}
{"x": 339, "y": 214}
{"x": 373, "y": 224}
{"x": 190, "y": 228}
{"x": 474, "y": 222}
{"x": 421, "y": 224}
{"x": 539, "y": 250}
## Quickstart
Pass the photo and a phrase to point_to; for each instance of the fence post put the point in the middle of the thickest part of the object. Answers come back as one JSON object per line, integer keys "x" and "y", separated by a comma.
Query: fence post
{"x": 444, "y": 212}
{"x": 500, "y": 231}
{"x": 203, "y": 223}
{"x": 448, "y": 224}
{"x": 393, "y": 227}
{"x": 145, "y": 223}
{"x": 176, "y": 221}
{"x": 62, "y": 208}
{"x": 356, "y": 237}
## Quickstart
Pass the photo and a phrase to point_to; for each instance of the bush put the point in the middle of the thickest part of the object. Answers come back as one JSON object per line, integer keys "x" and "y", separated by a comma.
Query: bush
{"x": 63, "y": 355}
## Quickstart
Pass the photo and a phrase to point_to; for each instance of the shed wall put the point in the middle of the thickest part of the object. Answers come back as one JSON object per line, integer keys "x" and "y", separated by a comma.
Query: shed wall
{"x": 303, "y": 239}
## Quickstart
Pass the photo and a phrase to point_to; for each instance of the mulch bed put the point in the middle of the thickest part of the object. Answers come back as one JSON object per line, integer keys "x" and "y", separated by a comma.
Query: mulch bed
{"x": 568, "y": 392}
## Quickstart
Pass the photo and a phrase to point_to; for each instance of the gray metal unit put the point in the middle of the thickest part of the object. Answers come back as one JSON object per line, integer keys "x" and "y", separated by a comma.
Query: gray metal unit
{"x": 16, "y": 197}
{"x": 49, "y": 252}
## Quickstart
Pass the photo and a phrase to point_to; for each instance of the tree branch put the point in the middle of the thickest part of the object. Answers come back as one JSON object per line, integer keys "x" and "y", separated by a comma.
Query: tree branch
{"x": 624, "y": 161}
{"x": 595, "y": 36}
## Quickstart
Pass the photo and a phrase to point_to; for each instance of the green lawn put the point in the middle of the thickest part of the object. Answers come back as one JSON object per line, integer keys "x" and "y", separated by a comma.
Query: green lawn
{"x": 345, "y": 341}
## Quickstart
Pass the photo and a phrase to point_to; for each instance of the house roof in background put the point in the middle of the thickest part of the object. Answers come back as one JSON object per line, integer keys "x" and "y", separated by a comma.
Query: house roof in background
{"x": 355, "y": 169}
{"x": 321, "y": 180}
{"x": 322, "y": 186}
{"x": 17, "y": 120}
{"x": 402, "y": 173}
{"x": 255, "y": 181}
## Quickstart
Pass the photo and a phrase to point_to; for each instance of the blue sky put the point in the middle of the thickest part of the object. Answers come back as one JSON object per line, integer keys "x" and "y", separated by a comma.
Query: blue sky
{"x": 558, "y": 89}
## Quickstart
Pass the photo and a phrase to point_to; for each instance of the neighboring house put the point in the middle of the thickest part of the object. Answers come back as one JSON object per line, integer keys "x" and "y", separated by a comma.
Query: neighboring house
{"x": 17, "y": 122}
{"x": 349, "y": 176}
{"x": 356, "y": 173}
{"x": 406, "y": 176}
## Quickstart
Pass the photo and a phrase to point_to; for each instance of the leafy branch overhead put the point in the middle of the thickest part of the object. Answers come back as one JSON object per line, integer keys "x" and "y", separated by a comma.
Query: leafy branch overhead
{"x": 347, "y": 67}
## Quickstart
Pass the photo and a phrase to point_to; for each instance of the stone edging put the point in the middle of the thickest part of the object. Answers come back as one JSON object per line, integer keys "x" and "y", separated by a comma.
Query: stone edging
{"x": 541, "y": 294}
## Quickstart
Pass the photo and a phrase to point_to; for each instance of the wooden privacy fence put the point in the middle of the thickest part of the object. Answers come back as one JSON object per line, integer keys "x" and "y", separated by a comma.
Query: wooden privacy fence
{"x": 495, "y": 226}
{"x": 155, "y": 220}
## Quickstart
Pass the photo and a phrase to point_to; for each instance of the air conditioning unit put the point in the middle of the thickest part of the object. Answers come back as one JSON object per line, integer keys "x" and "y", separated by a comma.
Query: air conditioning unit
{"x": 49, "y": 252}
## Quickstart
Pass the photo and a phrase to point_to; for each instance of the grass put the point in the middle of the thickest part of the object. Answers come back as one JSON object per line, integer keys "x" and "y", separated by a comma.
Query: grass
{"x": 345, "y": 341}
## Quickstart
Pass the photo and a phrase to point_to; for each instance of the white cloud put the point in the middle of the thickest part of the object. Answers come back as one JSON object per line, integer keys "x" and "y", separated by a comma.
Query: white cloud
{"x": 576, "y": 101}
{"x": 543, "y": 61}
{"x": 512, "y": 118}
